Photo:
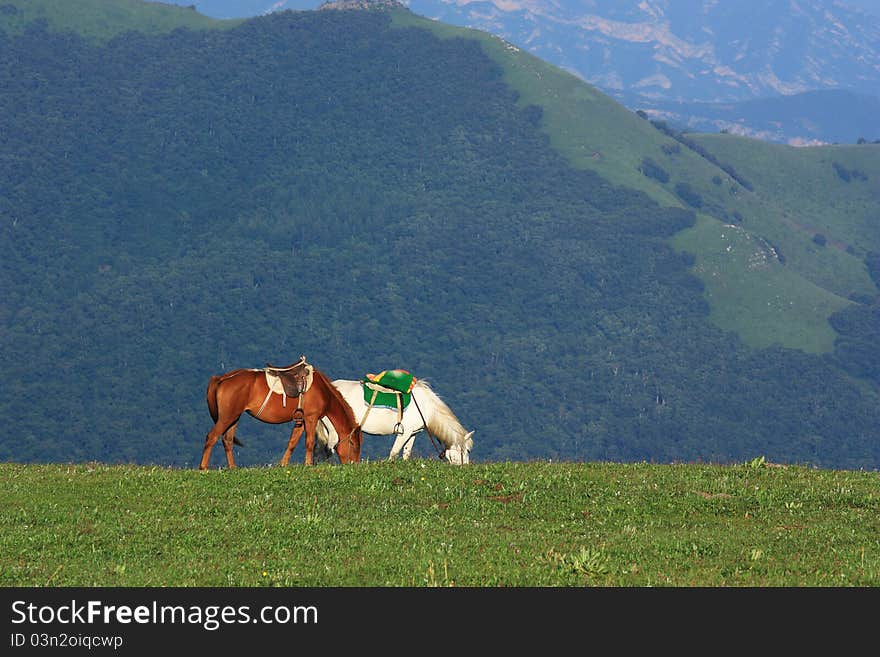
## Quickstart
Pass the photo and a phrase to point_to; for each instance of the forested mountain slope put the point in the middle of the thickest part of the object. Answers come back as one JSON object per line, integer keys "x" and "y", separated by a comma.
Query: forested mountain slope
{"x": 598, "y": 134}
{"x": 181, "y": 203}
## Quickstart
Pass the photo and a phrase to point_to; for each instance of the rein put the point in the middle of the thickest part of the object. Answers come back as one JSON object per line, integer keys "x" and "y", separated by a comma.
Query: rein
{"x": 363, "y": 419}
{"x": 358, "y": 425}
{"x": 438, "y": 446}
{"x": 349, "y": 438}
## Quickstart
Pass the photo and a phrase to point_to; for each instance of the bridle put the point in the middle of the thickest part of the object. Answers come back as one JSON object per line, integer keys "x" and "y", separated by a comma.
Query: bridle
{"x": 441, "y": 451}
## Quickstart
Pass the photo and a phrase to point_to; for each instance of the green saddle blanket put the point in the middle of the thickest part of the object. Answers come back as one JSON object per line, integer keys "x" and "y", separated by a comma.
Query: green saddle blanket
{"x": 389, "y": 385}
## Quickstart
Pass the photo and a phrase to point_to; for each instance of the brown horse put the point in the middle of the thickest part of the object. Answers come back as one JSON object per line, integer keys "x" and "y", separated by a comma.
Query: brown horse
{"x": 231, "y": 394}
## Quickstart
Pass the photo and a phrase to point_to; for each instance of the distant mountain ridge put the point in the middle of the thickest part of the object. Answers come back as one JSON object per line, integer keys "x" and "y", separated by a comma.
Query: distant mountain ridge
{"x": 805, "y": 119}
{"x": 694, "y": 50}
{"x": 654, "y": 53}
{"x": 361, "y": 4}
{"x": 700, "y": 64}
{"x": 686, "y": 50}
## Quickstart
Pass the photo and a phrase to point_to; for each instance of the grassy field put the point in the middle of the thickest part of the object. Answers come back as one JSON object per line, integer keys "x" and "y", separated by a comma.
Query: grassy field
{"x": 802, "y": 195}
{"x": 750, "y": 292}
{"x": 425, "y": 523}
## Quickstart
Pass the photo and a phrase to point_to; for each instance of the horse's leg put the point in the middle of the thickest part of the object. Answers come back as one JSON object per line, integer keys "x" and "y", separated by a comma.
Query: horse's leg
{"x": 311, "y": 424}
{"x": 228, "y": 439}
{"x": 291, "y": 444}
{"x": 210, "y": 439}
{"x": 408, "y": 446}
{"x": 221, "y": 426}
{"x": 399, "y": 442}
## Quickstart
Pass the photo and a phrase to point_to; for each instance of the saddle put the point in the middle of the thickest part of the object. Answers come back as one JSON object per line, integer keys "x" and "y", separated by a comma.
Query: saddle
{"x": 290, "y": 381}
{"x": 389, "y": 388}
{"x": 397, "y": 380}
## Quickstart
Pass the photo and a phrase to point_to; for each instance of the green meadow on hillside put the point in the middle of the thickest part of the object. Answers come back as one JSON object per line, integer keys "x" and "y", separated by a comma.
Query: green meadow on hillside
{"x": 823, "y": 204}
{"x": 752, "y": 293}
{"x": 425, "y": 523}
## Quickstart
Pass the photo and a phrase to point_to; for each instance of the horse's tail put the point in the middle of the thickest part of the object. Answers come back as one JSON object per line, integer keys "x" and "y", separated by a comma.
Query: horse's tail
{"x": 325, "y": 439}
{"x": 211, "y": 398}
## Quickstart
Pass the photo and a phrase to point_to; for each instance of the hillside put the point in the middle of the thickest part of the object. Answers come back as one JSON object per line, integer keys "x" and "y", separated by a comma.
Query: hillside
{"x": 801, "y": 76}
{"x": 376, "y": 190}
{"x": 677, "y": 171}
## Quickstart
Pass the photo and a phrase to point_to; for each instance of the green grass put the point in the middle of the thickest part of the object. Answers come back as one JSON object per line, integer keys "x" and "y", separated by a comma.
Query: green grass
{"x": 425, "y": 523}
{"x": 751, "y": 293}
{"x": 797, "y": 194}
{"x": 800, "y": 194}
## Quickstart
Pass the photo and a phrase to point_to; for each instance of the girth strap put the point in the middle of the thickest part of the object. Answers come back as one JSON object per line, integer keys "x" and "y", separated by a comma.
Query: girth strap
{"x": 263, "y": 405}
{"x": 369, "y": 408}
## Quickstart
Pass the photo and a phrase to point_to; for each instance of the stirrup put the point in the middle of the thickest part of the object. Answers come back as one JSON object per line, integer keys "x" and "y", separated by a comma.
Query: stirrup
{"x": 398, "y": 429}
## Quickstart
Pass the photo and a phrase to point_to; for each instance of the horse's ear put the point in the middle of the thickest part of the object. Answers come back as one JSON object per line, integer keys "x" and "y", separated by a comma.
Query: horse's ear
{"x": 468, "y": 440}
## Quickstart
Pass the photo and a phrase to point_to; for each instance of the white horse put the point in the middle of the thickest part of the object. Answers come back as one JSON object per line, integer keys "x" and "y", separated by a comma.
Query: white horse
{"x": 442, "y": 422}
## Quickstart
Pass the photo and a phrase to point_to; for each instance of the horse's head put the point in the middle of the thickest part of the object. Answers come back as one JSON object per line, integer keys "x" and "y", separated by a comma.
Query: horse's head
{"x": 460, "y": 452}
{"x": 328, "y": 443}
{"x": 340, "y": 432}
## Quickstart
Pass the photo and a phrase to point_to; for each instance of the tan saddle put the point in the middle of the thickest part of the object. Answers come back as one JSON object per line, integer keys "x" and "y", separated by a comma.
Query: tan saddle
{"x": 290, "y": 381}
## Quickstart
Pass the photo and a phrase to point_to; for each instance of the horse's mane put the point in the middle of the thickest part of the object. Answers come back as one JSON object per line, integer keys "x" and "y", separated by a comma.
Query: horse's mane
{"x": 336, "y": 395}
{"x": 442, "y": 421}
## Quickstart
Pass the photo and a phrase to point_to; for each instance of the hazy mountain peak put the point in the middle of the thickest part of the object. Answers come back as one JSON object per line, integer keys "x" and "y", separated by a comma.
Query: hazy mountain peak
{"x": 690, "y": 49}
{"x": 362, "y": 4}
